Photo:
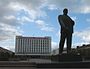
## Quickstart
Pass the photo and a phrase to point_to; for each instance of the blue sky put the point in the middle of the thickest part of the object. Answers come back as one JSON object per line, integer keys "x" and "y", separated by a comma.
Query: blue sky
{"x": 39, "y": 18}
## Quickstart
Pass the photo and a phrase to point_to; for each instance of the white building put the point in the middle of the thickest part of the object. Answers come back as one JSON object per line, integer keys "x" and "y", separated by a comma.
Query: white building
{"x": 33, "y": 45}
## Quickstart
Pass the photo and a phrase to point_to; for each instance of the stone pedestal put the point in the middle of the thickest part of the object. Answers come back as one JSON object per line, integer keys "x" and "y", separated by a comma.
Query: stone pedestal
{"x": 66, "y": 58}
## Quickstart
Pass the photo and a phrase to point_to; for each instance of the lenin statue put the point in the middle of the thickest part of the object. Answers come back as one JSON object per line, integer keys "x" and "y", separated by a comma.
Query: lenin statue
{"x": 66, "y": 24}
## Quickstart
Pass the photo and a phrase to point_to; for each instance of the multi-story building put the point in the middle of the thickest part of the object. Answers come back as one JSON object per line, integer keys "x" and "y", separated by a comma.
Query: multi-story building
{"x": 33, "y": 45}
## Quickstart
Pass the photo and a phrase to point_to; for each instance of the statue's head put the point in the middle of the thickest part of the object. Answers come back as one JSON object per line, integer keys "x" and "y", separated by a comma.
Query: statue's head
{"x": 65, "y": 11}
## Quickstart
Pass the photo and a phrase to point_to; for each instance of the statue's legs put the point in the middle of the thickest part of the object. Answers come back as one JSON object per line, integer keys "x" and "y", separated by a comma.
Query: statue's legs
{"x": 62, "y": 41}
{"x": 69, "y": 42}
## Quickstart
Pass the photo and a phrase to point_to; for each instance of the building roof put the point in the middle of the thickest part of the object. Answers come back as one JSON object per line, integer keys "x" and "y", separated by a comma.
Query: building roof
{"x": 84, "y": 46}
{"x": 5, "y": 50}
{"x": 46, "y": 37}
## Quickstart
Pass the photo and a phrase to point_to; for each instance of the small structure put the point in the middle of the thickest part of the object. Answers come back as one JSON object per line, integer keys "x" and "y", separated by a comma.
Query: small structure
{"x": 84, "y": 50}
{"x": 56, "y": 51}
{"x": 6, "y": 51}
{"x": 5, "y": 54}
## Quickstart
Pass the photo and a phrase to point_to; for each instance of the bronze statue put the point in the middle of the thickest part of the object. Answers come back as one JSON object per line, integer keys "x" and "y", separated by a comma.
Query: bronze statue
{"x": 66, "y": 31}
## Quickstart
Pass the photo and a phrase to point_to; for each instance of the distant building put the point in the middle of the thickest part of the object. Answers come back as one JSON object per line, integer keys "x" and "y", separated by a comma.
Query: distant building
{"x": 84, "y": 46}
{"x": 5, "y": 51}
{"x": 84, "y": 50}
{"x": 33, "y": 45}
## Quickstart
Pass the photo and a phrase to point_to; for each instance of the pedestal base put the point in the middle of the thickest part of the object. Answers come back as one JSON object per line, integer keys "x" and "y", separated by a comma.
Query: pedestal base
{"x": 66, "y": 58}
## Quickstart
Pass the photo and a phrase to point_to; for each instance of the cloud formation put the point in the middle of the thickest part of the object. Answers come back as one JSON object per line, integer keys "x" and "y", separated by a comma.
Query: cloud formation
{"x": 10, "y": 18}
{"x": 44, "y": 26}
{"x": 84, "y": 36}
{"x": 32, "y": 11}
{"x": 74, "y": 6}
{"x": 14, "y": 13}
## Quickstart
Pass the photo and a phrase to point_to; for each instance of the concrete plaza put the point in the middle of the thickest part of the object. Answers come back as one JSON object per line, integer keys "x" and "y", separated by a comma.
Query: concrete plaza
{"x": 32, "y": 65}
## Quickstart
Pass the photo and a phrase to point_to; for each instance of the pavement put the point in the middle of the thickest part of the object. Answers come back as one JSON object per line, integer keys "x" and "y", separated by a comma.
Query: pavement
{"x": 29, "y": 68}
{"x": 45, "y": 65}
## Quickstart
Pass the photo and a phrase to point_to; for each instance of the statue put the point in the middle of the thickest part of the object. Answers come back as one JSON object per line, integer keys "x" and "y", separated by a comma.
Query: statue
{"x": 66, "y": 24}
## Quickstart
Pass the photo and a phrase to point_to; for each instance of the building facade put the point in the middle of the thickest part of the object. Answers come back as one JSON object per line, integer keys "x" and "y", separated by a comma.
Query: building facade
{"x": 33, "y": 45}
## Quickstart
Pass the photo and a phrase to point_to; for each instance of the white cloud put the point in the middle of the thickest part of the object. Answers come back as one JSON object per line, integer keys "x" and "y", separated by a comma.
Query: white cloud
{"x": 88, "y": 20}
{"x": 8, "y": 31}
{"x": 9, "y": 17}
{"x": 54, "y": 45}
{"x": 33, "y": 10}
{"x": 82, "y": 6}
{"x": 85, "y": 9}
{"x": 44, "y": 26}
{"x": 83, "y": 35}
{"x": 8, "y": 44}
{"x": 9, "y": 22}
{"x": 52, "y": 7}
{"x": 58, "y": 34}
